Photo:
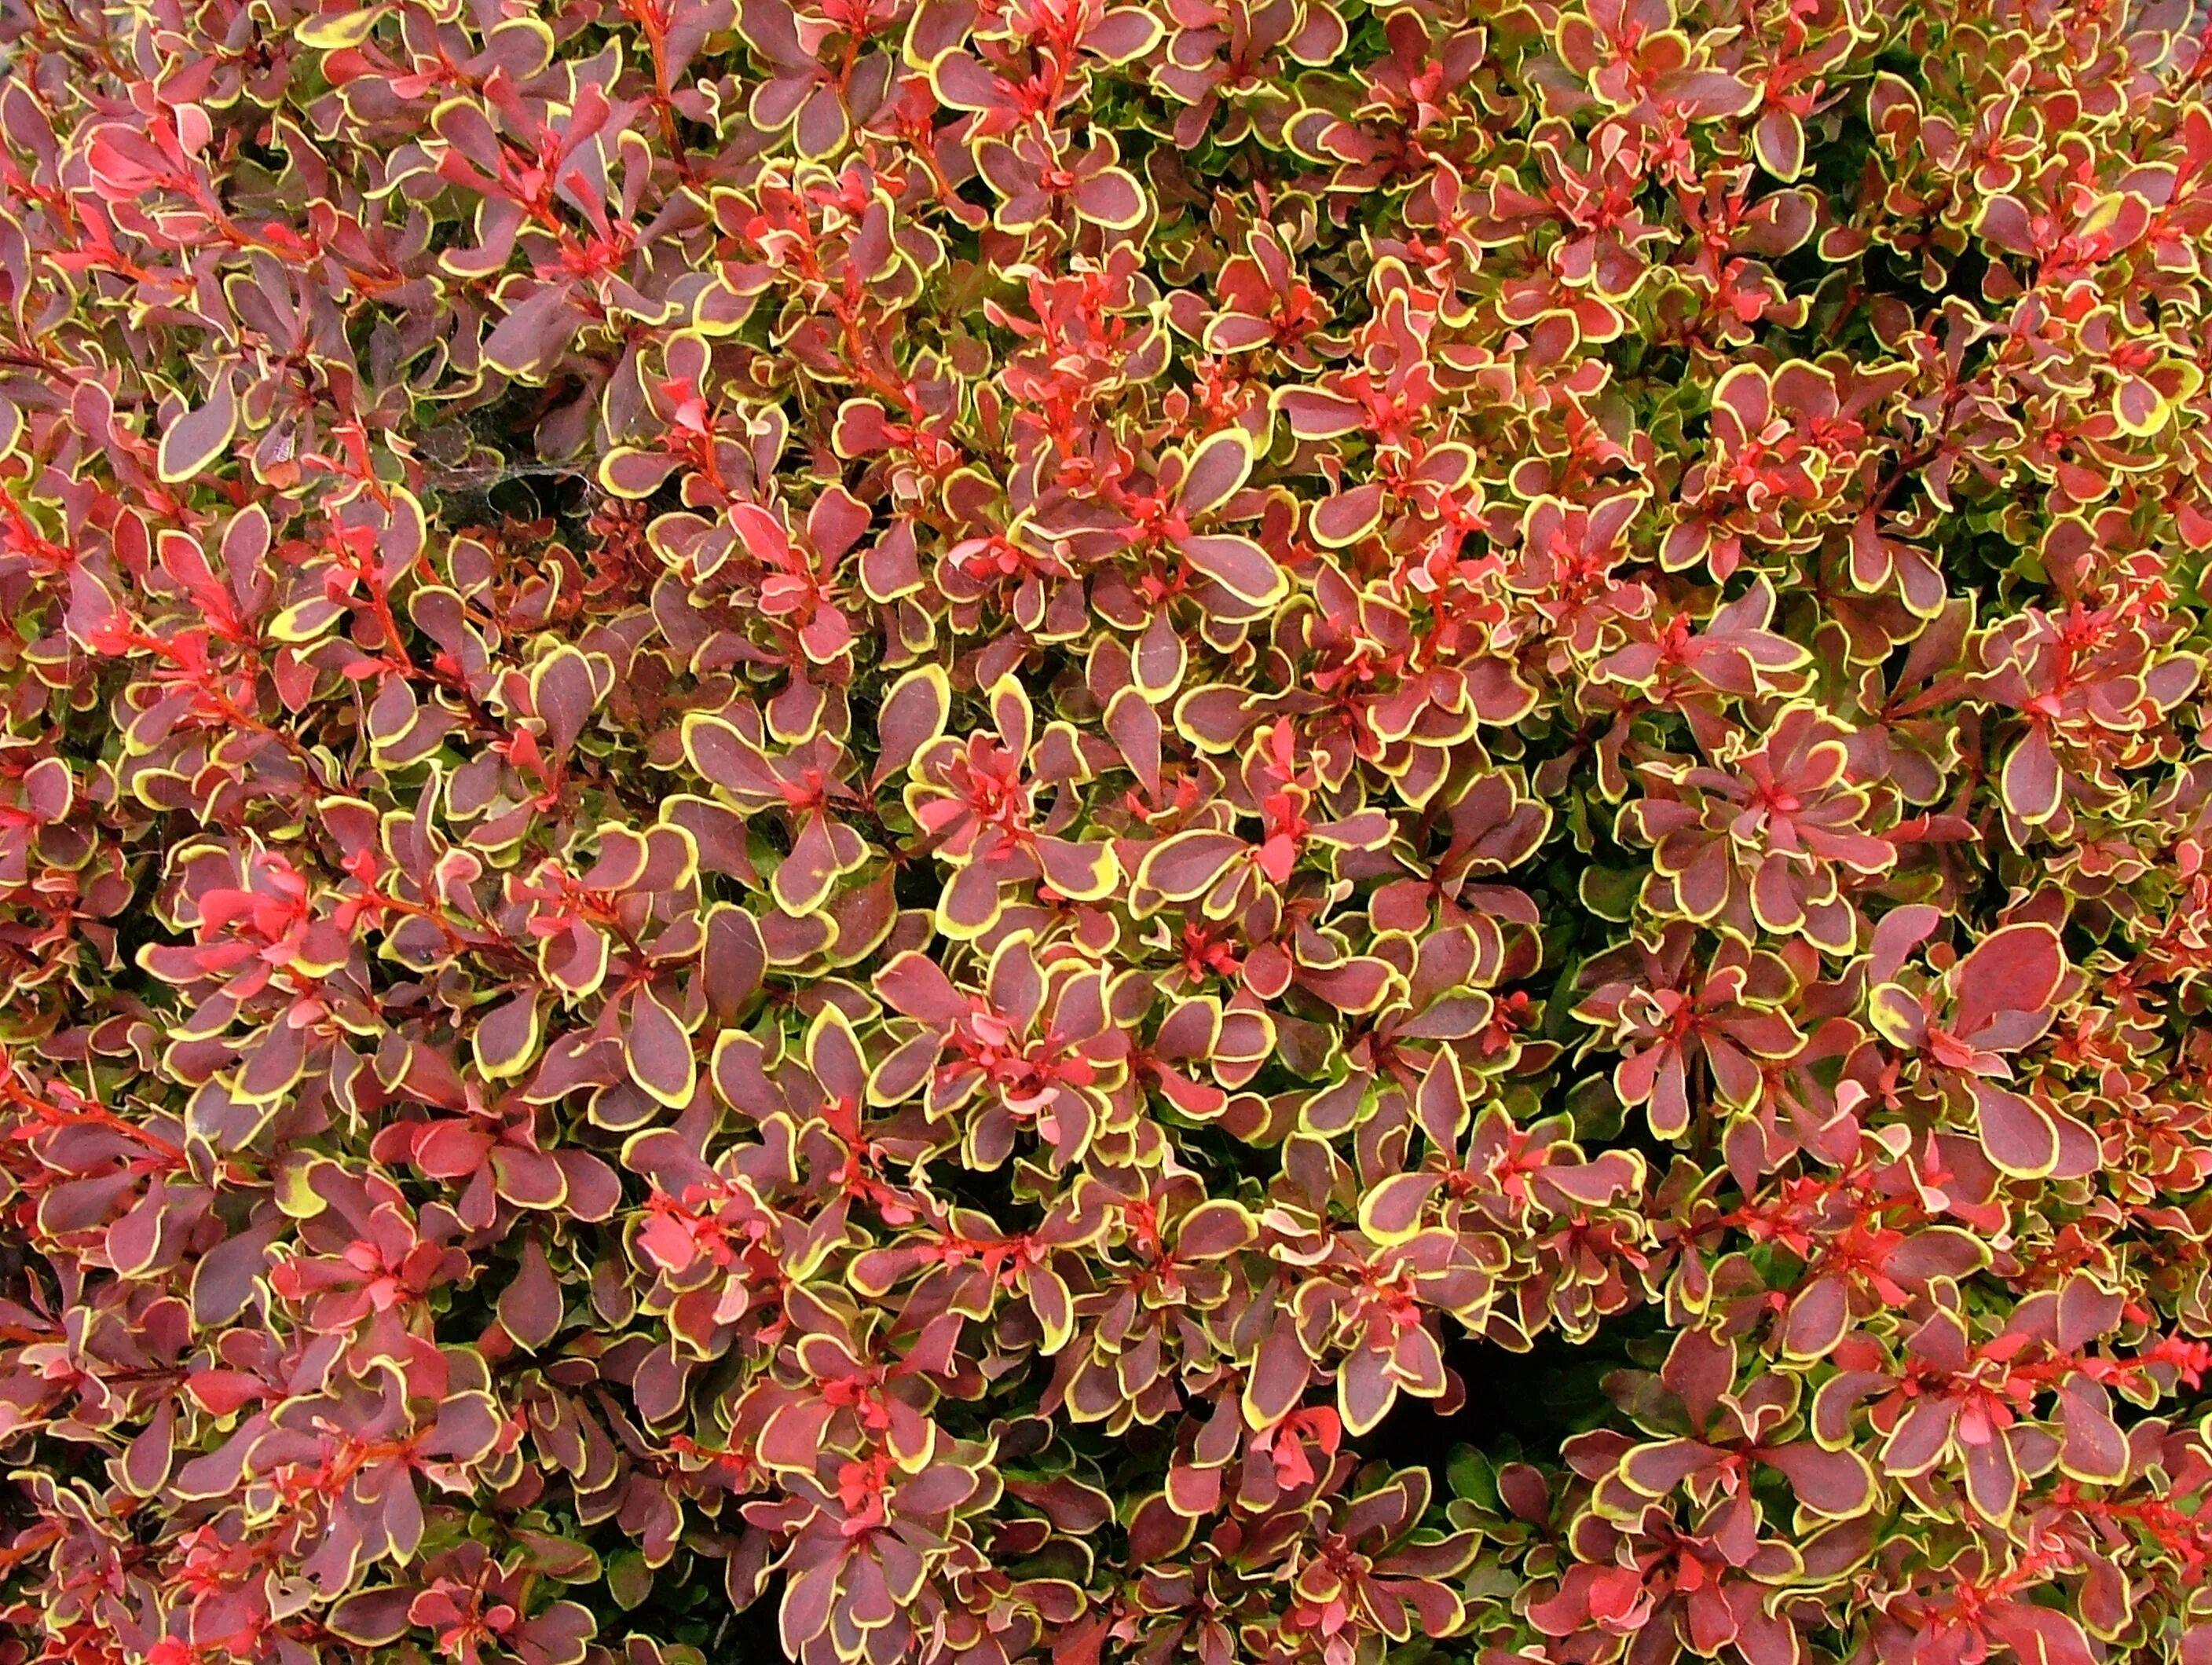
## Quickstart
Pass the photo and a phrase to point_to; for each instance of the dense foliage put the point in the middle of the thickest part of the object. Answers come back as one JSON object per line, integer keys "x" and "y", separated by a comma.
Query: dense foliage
{"x": 1038, "y": 831}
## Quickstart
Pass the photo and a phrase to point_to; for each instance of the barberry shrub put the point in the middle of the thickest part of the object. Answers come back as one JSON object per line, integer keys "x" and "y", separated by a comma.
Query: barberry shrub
{"x": 1105, "y": 832}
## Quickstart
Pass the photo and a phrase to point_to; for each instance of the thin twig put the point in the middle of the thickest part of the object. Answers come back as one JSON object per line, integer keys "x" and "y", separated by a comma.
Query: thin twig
{"x": 467, "y": 479}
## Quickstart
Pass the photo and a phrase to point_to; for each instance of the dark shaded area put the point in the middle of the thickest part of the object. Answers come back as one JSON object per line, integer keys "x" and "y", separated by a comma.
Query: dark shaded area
{"x": 751, "y": 1634}
{"x": 687, "y": 1605}
{"x": 1515, "y": 1401}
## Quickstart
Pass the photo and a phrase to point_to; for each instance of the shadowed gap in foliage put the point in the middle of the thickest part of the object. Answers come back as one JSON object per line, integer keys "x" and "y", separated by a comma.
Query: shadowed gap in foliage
{"x": 1515, "y": 1401}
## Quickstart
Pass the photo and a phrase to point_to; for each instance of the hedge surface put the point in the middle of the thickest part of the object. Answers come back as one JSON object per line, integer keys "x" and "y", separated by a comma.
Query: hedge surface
{"x": 1295, "y": 831}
